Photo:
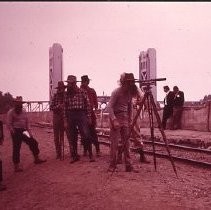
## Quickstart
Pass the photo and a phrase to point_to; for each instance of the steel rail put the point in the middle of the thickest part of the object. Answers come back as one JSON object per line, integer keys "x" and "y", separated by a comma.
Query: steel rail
{"x": 170, "y": 145}
{"x": 160, "y": 155}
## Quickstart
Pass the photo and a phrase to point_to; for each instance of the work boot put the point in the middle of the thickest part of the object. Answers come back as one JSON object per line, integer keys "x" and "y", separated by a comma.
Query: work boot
{"x": 2, "y": 187}
{"x": 142, "y": 157}
{"x": 75, "y": 159}
{"x": 17, "y": 168}
{"x": 129, "y": 168}
{"x": 111, "y": 168}
{"x": 38, "y": 160}
{"x": 91, "y": 159}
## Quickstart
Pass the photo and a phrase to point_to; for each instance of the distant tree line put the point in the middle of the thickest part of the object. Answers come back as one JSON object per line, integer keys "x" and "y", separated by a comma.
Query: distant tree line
{"x": 206, "y": 98}
{"x": 6, "y": 102}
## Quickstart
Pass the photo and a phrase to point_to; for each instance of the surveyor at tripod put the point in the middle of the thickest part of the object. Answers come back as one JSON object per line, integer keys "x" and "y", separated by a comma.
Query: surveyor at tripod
{"x": 94, "y": 106}
{"x": 120, "y": 111}
{"x": 18, "y": 125}
{"x": 57, "y": 106}
{"x": 77, "y": 117}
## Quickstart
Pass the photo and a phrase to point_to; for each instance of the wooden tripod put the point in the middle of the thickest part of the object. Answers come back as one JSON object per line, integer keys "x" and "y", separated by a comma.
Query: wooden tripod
{"x": 151, "y": 107}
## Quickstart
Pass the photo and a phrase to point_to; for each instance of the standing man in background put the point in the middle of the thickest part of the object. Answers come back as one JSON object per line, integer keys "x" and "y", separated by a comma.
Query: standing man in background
{"x": 57, "y": 106}
{"x": 178, "y": 107}
{"x": 168, "y": 105}
{"x": 2, "y": 186}
{"x": 94, "y": 106}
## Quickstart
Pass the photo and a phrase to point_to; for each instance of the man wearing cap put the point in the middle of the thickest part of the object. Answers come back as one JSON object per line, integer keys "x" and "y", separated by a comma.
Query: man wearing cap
{"x": 18, "y": 125}
{"x": 57, "y": 106}
{"x": 94, "y": 105}
{"x": 77, "y": 116}
{"x": 120, "y": 111}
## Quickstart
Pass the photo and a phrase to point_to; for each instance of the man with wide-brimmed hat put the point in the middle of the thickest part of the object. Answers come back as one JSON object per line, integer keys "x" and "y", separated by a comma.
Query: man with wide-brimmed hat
{"x": 57, "y": 106}
{"x": 18, "y": 125}
{"x": 77, "y": 116}
{"x": 120, "y": 113}
{"x": 94, "y": 105}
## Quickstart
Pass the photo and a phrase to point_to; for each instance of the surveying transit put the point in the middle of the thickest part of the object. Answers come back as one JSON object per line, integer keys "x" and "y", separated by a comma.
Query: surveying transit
{"x": 151, "y": 108}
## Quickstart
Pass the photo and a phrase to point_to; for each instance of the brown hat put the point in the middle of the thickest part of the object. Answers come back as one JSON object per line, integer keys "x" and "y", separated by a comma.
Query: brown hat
{"x": 125, "y": 77}
{"x": 71, "y": 79}
{"x": 61, "y": 85}
{"x": 85, "y": 78}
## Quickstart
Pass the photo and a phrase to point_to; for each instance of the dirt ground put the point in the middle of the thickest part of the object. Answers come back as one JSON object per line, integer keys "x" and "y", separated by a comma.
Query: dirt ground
{"x": 58, "y": 184}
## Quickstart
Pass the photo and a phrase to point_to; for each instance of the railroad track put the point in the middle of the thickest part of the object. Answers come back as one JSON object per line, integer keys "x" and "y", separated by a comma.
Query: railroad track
{"x": 194, "y": 156}
{"x": 190, "y": 155}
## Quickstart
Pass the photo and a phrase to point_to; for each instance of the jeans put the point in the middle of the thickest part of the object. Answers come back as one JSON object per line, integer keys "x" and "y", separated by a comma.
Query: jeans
{"x": 17, "y": 138}
{"x": 78, "y": 121}
{"x": 120, "y": 142}
{"x": 58, "y": 128}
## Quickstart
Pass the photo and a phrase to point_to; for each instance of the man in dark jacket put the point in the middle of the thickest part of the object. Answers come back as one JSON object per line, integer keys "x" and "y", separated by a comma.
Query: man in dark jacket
{"x": 168, "y": 105}
{"x": 94, "y": 106}
{"x": 178, "y": 107}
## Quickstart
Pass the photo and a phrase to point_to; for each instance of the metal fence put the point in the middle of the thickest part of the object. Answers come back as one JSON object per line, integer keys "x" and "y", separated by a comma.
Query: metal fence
{"x": 37, "y": 106}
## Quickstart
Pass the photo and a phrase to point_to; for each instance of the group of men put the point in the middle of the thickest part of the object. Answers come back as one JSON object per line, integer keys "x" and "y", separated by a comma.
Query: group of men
{"x": 73, "y": 110}
{"x": 173, "y": 107}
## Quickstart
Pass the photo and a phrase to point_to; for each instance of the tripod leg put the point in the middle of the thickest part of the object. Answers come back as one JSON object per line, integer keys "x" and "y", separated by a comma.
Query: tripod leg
{"x": 162, "y": 131}
{"x": 137, "y": 115}
{"x": 152, "y": 130}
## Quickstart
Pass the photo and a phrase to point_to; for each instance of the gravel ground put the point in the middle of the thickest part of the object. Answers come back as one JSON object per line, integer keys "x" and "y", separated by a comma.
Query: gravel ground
{"x": 83, "y": 185}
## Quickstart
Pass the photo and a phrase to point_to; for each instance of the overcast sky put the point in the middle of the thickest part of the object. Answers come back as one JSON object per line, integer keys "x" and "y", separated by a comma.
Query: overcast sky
{"x": 104, "y": 39}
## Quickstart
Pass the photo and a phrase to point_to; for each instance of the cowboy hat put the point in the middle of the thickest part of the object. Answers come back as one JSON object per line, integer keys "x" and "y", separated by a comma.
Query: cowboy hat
{"x": 126, "y": 77}
{"x": 85, "y": 78}
{"x": 71, "y": 79}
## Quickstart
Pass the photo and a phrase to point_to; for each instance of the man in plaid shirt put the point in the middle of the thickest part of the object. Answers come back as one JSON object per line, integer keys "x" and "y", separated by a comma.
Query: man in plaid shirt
{"x": 77, "y": 116}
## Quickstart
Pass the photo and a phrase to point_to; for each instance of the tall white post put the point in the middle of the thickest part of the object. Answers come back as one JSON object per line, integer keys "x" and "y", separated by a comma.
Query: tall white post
{"x": 55, "y": 68}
